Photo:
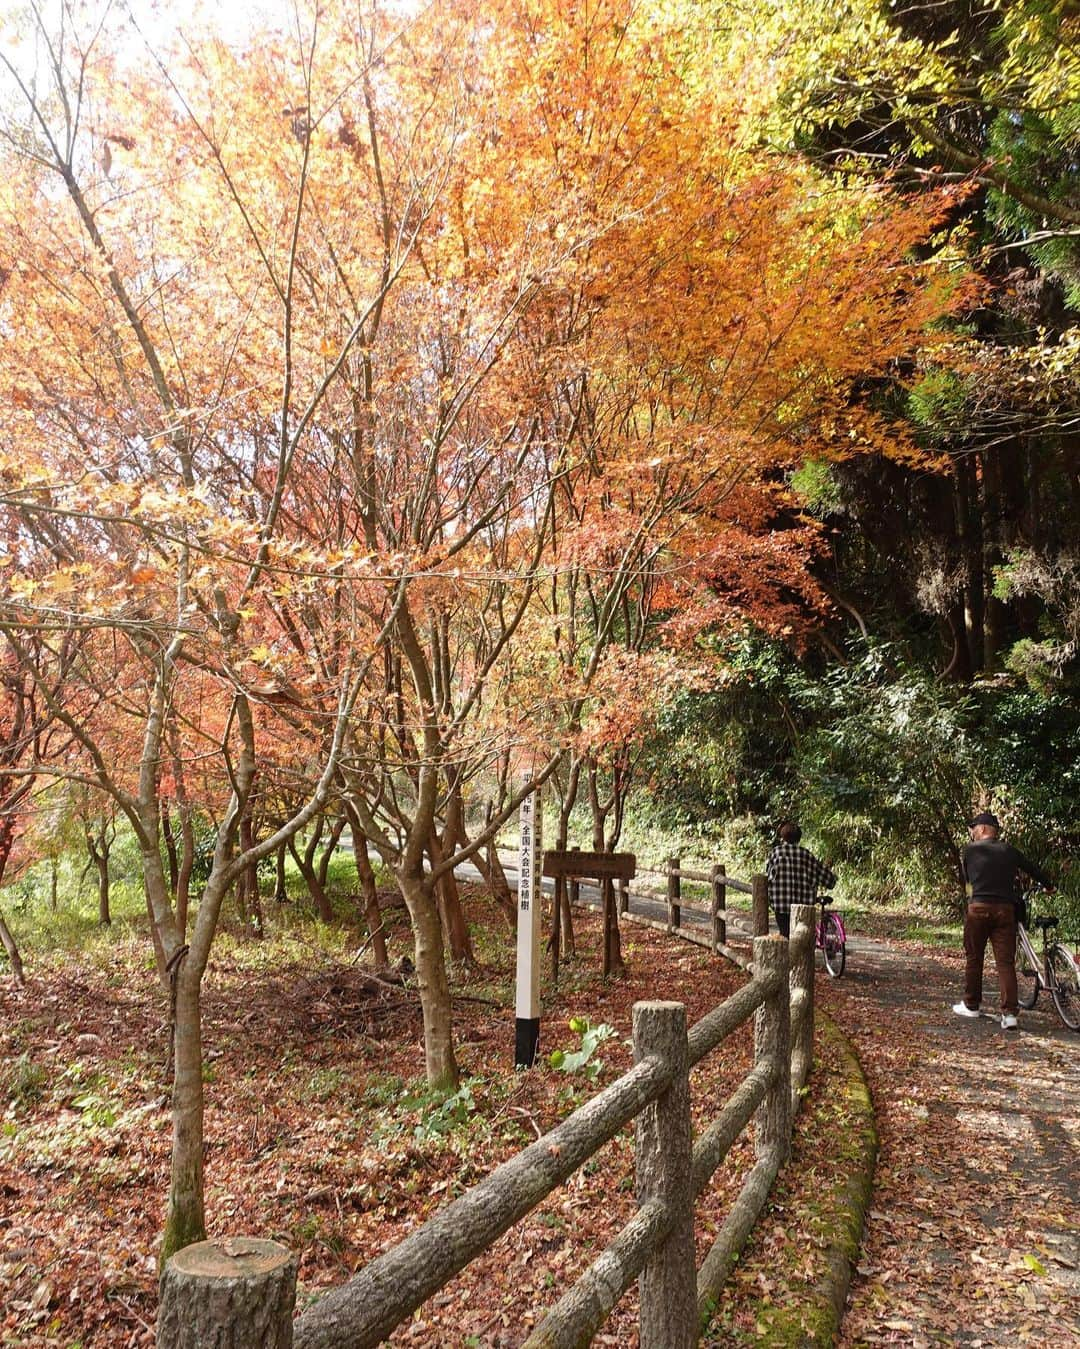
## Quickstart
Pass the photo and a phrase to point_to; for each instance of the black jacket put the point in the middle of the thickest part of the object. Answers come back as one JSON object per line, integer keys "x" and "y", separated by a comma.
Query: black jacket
{"x": 990, "y": 869}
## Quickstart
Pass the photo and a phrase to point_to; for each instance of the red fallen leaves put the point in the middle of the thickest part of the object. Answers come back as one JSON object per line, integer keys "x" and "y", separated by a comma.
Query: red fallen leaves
{"x": 974, "y": 1193}
{"x": 311, "y": 1133}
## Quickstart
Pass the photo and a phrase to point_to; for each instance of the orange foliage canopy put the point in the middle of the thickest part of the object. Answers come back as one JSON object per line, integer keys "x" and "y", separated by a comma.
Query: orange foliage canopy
{"x": 407, "y": 355}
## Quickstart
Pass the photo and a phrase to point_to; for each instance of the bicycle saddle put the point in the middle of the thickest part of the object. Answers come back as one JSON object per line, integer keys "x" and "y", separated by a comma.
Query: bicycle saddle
{"x": 1045, "y": 923}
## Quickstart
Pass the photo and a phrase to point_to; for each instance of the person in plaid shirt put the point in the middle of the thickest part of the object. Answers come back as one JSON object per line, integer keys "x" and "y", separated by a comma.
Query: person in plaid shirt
{"x": 794, "y": 874}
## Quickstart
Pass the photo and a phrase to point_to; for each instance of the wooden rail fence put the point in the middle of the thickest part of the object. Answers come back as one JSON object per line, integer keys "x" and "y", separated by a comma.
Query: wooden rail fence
{"x": 656, "y": 1246}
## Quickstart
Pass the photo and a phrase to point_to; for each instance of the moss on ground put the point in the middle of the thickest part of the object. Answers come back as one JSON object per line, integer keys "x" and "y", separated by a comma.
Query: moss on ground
{"x": 789, "y": 1289}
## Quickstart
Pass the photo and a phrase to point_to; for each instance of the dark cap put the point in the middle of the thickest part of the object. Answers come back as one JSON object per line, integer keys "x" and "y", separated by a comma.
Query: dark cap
{"x": 984, "y": 817}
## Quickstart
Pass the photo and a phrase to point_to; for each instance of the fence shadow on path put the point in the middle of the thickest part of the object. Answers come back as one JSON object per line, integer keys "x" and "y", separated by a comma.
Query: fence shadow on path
{"x": 973, "y": 1237}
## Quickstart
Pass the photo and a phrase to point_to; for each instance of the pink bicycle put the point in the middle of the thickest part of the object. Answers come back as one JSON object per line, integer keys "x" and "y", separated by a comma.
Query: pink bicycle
{"x": 830, "y": 938}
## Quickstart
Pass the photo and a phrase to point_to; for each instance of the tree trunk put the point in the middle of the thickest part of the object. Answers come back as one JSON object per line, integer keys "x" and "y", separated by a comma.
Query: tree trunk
{"x": 240, "y": 1291}
{"x": 453, "y": 916}
{"x": 54, "y": 883}
{"x": 281, "y": 894}
{"x": 613, "y": 958}
{"x": 170, "y": 846}
{"x": 240, "y": 897}
{"x": 433, "y": 985}
{"x": 323, "y": 869}
{"x": 969, "y": 536}
{"x": 251, "y": 875}
{"x": 155, "y": 936}
{"x": 499, "y": 885}
{"x": 104, "y": 915}
{"x": 491, "y": 869}
{"x": 993, "y": 609}
{"x": 182, "y": 888}
{"x": 185, "y": 1220}
{"x": 569, "y": 944}
{"x": 98, "y": 851}
{"x": 369, "y": 891}
{"x": 12, "y": 952}
{"x": 303, "y": 861}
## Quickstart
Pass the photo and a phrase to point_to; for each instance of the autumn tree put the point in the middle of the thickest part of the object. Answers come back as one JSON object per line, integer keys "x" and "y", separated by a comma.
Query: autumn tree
{"x": 363, "y": 381}
{"x": 982, "y": 95}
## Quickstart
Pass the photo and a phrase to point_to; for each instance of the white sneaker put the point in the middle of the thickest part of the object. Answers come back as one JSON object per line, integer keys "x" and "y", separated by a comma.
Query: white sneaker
{"x": 962, "y": 1009}
{"x": 1008, "y": 1021}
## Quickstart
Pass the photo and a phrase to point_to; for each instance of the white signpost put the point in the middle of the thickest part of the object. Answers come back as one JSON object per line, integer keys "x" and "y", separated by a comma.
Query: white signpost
{"x": 527, "y": 1025}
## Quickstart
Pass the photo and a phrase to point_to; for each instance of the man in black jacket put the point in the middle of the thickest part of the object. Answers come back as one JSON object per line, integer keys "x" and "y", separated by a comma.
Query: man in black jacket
{"x": 991, "y": 869}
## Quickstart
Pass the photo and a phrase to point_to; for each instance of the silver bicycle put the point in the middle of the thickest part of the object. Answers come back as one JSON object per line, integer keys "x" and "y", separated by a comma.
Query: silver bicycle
{"x": 1056, "y": 970}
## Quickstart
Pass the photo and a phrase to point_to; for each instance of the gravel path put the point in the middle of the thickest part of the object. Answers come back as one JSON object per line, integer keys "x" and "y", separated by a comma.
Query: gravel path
{"x": 974, "y": 1232}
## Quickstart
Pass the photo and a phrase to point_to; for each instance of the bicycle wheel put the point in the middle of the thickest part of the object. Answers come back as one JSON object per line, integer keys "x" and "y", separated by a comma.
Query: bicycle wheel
{"x": 1027, "y": 977}
{"x": 1065, "y": 985}
{"x": 833, "y": 945}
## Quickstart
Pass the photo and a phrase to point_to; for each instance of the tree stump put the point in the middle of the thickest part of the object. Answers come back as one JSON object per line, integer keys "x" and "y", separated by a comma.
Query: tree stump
{"x": 236, "y": 1293}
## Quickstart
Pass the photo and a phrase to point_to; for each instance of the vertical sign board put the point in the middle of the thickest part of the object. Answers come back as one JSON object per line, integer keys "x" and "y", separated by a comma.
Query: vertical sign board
{"x": 527, "y": 1025}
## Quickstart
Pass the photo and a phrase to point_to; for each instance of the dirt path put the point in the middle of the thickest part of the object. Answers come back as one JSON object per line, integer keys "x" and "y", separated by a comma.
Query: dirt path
{"x": 974, "y": 1233}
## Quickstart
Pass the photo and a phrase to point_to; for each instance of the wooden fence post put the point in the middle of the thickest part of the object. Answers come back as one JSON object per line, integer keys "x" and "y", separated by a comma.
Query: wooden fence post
{"x": 624, "y": 895}
{"x": 674, "y": 893}
{"x": 668, "y": 1284}
{"x": 760, "y": 900}
{"x": 803, "y": 920}
{"x": 772, "y": 1044}
{"x": 238, "y": 1291}
{"x": 719, "y": 906}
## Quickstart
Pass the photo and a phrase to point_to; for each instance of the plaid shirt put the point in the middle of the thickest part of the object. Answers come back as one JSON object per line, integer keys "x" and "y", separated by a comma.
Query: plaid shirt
{"x": 794, "y": 875}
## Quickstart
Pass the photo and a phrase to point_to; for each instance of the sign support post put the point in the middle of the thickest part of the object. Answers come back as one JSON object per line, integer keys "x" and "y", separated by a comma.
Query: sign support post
{"x": 527, "y": 1005}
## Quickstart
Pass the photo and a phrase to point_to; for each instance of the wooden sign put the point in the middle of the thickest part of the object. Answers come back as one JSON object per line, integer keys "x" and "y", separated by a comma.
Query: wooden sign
{"x": 591, "y": 866}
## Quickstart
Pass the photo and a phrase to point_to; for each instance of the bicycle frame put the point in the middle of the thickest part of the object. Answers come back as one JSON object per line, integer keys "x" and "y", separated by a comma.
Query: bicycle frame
{"x": 1037, "y": 965}
{"x": 819, "y": 928}
{"x": 1042, "y": 970}
{"x": 835, "y": 952}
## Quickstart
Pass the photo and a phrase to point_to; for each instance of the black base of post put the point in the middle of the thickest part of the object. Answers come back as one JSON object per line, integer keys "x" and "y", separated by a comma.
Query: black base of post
{"x": 526, "y": 1041}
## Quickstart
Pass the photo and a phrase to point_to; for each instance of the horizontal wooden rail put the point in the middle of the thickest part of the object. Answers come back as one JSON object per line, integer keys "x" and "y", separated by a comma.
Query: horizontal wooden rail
{"x": 656, "y": 1245}
{"x": 581, "y": 1311}
{"x": 717, "y": 1025}
{"x": 363, "y": 1311}
{"x": 718, "y": 1264}
{"x": 716, "y": 1142}
{"x": 732, "y": 883}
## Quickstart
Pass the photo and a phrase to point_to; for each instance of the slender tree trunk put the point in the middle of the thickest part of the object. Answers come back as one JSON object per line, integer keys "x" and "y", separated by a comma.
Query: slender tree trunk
{"x": 491, "y": 869}
{"x": 369, "y": 892}
{"x": 453, "y": 915}
{"x": 104, "y": 916}
{"x": 12, "y": 952}
{"x": 433, "y": 985}
{"x": 454, "y": 837}
{"x": 240, "y": 898}
{"x": 186, "y": 1219}
{"x": 992, "y": 525}
{"x": 569, "y": 892}
{"x": 303, "y": 861}
{"x": 170, "y": 845}
{"x": 182, "y": 886}
{"x": 971, "y": 553}
{"x": 281, "y": 894}
{"x": 251, "y": 875}
{"x": 613, "y": 956}
{"x": 613, "y": 961}
{"x": 323, "y": 869}
{"x": 54, "y": 884}
{"x": 155, "y": 936}
{"x": 569, "y": 944}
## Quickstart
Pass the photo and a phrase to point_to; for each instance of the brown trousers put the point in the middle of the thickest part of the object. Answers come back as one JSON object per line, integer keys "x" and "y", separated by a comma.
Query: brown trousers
{"x": 995, "y": 923}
